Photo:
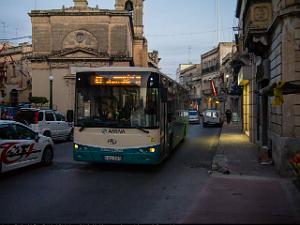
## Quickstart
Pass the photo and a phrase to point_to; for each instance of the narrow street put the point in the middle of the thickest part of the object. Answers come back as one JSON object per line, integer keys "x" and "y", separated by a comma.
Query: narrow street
{"x": 72, "y": 192}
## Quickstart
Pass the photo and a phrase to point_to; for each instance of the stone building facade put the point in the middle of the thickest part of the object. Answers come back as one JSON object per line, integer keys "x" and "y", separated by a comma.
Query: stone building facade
{"x": 15, "y": 74}
{"x": 81, "y": 36}
{"x": 269, "y": 46}
{"x": 190, "y": 78}
{"x": 229, "y": 86}
{"x": 211, "y": 73}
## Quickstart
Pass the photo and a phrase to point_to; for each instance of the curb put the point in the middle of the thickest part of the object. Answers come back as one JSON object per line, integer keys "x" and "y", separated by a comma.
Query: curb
{"x": 220, "y": 161}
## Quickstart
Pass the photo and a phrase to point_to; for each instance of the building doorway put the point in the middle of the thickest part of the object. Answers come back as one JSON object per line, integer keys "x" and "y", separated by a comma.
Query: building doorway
{"x": 14, "y": 96}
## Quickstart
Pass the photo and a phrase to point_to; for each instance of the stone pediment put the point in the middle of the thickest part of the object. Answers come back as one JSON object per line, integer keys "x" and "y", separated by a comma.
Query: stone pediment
{"x": 78, "y": 53}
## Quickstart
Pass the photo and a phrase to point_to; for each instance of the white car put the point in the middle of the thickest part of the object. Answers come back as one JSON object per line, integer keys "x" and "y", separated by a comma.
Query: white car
{"x": 47, "y": 122}
{"x": 20, "y": 146}
{"x": 212, "y": 117}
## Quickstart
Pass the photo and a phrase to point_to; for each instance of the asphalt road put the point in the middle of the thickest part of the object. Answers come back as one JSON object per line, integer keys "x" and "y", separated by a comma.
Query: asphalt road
{"x": 72, "y": 192}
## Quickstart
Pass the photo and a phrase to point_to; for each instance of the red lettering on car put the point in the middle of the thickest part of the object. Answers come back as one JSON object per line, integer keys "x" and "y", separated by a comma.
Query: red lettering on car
{"x": 6, "y": 149}
{"x": 29, "y": 150}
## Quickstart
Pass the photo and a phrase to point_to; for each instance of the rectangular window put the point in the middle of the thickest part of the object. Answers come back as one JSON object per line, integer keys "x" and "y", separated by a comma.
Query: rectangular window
{"x": 7, "y": 133}
{"x": 41, "y": 116}
{"x": 59, "y": 117}
{"x": 49, "y": 116}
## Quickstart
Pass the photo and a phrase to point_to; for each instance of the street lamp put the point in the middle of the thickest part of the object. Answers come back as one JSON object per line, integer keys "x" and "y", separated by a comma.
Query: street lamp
{"x": 51, "y": 91}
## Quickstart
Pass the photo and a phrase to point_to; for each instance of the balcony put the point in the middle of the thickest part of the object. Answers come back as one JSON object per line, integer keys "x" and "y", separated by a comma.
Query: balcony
{"x": 211, "y": 69}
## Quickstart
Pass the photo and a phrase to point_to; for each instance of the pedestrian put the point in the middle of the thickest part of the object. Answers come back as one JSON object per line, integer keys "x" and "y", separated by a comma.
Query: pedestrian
{"x": 228, "y": 115}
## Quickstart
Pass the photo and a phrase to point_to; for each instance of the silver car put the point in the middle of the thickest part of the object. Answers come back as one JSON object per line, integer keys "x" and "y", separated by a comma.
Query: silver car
{"x": 47, "y": 122}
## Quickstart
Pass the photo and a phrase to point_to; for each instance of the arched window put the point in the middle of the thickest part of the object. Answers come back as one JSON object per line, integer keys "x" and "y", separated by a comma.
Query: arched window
{"x": 129, "y": 6}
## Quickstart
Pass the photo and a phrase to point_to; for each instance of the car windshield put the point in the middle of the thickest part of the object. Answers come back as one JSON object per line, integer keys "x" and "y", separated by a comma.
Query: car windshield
{"x": 193, "y": 113}
{"x": 123, "y": 101}
{"x": 212, "y": 114}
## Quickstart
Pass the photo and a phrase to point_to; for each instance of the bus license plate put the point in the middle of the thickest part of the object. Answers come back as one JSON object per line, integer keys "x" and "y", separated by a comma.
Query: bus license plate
{"x": 113, "y": 158}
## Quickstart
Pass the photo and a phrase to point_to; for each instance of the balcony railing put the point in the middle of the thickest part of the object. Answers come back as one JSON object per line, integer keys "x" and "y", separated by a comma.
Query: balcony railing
{"x": 211, "y": 69}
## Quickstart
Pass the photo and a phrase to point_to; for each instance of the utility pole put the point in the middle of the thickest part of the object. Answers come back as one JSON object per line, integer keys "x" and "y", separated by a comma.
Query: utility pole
{"x": 218, "y": 20}
{"x": 190, "y": 51}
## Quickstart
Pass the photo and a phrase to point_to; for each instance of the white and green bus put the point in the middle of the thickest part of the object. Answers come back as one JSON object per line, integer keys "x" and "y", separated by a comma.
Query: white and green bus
{"x": 128, "y": 115}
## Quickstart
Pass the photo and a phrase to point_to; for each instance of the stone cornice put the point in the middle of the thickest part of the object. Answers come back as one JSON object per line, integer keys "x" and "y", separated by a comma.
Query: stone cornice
{"x": 69, "y": 59}
{"x": 62, "y": 53}
{"x": 94, "y": 12}
{"x": 290, "y": 11}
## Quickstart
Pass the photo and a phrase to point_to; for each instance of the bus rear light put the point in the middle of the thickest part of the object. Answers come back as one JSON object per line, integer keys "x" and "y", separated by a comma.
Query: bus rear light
{"x": 36, "y": 117}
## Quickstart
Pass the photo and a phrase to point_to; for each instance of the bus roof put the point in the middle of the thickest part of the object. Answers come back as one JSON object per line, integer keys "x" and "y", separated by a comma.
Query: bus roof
{"x": 75, "y": 70}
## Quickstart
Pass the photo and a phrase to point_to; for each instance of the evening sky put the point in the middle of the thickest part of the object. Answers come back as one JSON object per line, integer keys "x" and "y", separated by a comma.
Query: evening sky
{"x": 180, "y": 30}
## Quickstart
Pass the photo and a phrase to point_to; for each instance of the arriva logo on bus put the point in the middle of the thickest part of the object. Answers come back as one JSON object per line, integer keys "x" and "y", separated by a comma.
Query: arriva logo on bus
{"x": 113, "y": 131}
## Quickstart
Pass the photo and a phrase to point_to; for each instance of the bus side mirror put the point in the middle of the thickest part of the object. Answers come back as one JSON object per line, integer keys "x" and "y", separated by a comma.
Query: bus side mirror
{"x": 70, "y": 116}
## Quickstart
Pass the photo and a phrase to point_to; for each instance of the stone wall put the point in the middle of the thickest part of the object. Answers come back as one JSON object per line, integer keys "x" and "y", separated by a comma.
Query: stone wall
{"x": 275, "y": 57}
{"x": 285, "y": 59}
{"x": 106, "y": 35}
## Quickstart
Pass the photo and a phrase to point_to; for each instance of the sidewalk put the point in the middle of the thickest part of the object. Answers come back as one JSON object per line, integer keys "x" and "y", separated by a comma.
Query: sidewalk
{"x": 241, "y": 190}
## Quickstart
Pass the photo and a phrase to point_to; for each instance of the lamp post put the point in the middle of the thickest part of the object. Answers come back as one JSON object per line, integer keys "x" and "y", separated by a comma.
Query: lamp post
{"x": 51, "y": 91}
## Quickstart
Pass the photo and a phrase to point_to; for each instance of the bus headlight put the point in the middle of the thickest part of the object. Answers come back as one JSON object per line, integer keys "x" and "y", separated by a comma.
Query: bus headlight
{"x": 152, "y": 150}
{"x": 76, "y": 147}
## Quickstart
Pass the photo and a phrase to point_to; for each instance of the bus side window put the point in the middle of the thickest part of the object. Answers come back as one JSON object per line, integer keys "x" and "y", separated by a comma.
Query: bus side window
{"x": 164, "y": 94}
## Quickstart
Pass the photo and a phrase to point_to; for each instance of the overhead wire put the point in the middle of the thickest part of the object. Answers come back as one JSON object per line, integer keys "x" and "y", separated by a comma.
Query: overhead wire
{"x": 186, "y": 33}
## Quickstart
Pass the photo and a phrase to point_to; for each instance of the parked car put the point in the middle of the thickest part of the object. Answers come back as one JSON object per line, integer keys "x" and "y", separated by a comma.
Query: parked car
{"x": 194, "y": 116}
{"x": 21, "y": 146}
{"x": 235, "y": 118}
{"x": 212, "y": 117}
{"x": 47, "y": 122}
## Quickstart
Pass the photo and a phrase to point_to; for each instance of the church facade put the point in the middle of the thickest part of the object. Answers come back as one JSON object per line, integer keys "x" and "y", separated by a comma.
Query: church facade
{"x": 81, "y": 36}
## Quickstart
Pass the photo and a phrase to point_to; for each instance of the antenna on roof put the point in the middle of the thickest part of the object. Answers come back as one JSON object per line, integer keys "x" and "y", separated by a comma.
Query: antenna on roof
{"x": 190, "y": 51}
{"x": 4, "y": 28}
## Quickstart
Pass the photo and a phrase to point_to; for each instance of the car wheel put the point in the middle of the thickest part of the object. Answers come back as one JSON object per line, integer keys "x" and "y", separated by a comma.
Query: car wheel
{"x": 47, "y": 157}
{"x": 204, "y": 125}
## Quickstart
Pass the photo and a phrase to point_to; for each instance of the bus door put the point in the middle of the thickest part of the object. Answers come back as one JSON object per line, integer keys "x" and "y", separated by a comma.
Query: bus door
{"x": 164, "y": 121}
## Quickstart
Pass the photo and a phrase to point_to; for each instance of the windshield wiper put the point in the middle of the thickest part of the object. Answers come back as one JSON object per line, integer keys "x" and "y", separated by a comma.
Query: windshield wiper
{"x": 82, "y": 126}
{"x": 141, "y": 129}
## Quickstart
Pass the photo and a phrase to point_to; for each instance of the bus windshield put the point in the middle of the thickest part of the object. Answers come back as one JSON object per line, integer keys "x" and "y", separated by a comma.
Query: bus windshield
{"x": 119, "y": 100}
